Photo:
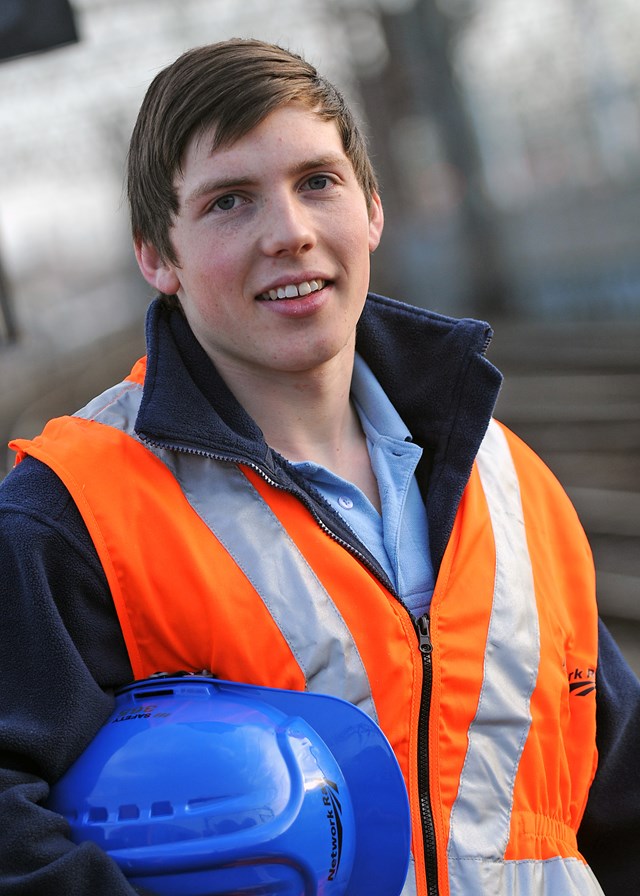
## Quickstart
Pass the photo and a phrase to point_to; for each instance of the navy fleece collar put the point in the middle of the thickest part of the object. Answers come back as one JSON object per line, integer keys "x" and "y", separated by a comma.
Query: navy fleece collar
{"x": 432, "y": 367}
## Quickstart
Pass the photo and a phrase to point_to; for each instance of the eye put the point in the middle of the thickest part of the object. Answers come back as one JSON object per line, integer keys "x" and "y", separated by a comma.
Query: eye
{"x": 318, "y": 182}
{"x": 225, "y": 203}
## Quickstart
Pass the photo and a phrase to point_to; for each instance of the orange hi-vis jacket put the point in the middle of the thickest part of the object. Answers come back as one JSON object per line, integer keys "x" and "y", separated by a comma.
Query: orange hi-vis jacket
{"x": 489, "y": 703}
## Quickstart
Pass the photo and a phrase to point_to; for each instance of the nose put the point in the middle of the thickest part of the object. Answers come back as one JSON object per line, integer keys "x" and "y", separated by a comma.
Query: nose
{"x": 287, "y": 227}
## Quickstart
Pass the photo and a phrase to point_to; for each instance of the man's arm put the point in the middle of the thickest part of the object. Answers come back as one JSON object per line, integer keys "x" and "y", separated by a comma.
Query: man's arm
{"x": 610, "y": 831}
{"x": 61, "y": 651}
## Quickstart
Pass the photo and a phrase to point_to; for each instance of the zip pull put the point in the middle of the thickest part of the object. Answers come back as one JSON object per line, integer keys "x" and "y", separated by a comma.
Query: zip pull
{"x": 424, "y": 634}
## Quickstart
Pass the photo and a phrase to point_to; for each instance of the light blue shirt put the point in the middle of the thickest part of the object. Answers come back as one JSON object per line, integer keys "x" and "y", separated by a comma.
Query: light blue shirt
{"x": 399, "y": 537}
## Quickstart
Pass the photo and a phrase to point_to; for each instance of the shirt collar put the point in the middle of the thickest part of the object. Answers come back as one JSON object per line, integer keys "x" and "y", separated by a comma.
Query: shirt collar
{"x": 378, "y": 416}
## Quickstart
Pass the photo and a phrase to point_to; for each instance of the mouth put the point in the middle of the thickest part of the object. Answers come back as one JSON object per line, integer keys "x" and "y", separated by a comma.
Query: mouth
{"x": 292, "y": 291}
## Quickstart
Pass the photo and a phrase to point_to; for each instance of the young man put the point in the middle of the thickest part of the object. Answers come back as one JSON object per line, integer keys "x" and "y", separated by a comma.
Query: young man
{"x": 302, "y": 487}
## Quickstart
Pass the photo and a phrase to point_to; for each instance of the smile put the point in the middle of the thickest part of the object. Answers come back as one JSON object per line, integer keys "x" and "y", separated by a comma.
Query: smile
{"x": 292, "y": 290}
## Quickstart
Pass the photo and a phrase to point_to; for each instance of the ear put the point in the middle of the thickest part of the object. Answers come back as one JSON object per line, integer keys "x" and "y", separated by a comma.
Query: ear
{"x": 376, "y": 222}
{"x": 159, "y": 273}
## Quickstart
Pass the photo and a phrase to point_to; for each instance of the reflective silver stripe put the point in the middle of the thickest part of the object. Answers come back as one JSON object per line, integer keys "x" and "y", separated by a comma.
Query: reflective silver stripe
{"x": 117, "y": 407}
{"x": 246, "y": 526}
{"x": 481, "y": 813}
{"x": 297, "y": 601}
{"x": 551, "y": 877}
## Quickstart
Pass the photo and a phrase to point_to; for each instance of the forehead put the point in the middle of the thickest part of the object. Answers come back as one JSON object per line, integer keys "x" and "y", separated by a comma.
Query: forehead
{"x": 290, "y": 131}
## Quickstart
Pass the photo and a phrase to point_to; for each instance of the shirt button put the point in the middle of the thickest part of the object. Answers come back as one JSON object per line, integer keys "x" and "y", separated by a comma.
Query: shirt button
{"x": 345, "y": 502}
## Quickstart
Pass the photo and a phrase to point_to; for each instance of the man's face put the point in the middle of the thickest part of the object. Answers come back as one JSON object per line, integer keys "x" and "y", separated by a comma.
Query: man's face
{"x": 273, "y": 238}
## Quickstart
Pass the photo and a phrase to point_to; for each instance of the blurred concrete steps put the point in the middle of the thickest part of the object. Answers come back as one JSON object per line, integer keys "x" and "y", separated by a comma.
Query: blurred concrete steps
{"x": 572, "y": 392}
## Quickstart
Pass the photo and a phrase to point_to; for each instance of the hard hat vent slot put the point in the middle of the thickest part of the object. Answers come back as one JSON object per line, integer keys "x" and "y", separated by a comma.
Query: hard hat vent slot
{"x": 161, "y": 808}
{"x": 97, "y": 814}
{"x": 128, "y": 813}
{"x": 161, "y": 692}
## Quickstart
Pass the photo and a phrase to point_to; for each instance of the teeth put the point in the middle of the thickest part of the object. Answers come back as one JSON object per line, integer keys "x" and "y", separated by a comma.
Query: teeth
{"x": 293, "y": 290}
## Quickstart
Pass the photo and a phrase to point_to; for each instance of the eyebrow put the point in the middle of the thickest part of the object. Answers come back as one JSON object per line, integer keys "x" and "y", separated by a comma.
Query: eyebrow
{"x": 212, "y": 186}
{"x": 331, "y": 160}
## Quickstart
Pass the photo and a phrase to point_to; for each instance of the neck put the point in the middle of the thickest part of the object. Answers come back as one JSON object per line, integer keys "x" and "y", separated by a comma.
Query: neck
{"x": 303, "y": 415}
{"x": 309, "y": 417}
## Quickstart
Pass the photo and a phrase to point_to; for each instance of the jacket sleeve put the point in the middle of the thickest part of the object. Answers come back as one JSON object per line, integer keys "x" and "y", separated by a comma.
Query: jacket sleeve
{"x": 610, "y": 831}
{"x": 61, "y": 653}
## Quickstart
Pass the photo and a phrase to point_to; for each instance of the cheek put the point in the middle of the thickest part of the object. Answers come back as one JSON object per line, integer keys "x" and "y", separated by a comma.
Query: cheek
{"x": 359, "y": 253}
{"x": 209, "y": 279}
{"x": 351, "y": 238}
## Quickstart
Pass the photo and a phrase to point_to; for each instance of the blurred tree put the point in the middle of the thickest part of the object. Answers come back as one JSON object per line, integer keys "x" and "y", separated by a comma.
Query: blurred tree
{"x": 418, "y": 81}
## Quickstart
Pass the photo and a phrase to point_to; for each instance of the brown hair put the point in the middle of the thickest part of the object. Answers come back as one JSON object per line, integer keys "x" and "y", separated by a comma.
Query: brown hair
{"x": 231, "y": 87}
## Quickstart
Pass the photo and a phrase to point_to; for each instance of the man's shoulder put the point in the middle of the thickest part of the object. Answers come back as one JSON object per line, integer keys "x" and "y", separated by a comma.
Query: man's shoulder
{"x": 32, "y": 488}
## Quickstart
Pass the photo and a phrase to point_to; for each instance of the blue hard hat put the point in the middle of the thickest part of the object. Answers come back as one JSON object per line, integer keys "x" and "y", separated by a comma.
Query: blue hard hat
{"x": 199, "y": 787}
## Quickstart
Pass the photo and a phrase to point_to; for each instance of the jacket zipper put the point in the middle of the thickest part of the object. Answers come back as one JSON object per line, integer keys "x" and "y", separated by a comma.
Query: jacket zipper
{"x": 426, "y": 811}
{"x": 426, "y": 649}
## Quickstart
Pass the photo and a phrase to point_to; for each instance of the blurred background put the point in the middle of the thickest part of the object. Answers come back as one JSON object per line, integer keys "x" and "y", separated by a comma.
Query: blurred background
{"x": 506, "y": 134}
